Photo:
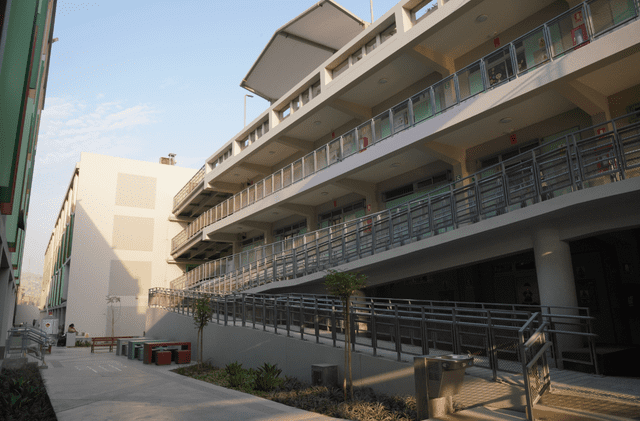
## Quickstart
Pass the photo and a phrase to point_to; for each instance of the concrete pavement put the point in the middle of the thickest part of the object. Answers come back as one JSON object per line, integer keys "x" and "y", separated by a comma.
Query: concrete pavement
{"x": 103, "y": 386}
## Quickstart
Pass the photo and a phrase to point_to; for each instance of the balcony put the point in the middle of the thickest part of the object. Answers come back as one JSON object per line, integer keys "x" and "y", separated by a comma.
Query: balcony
{"x": 197, "y": 181}
{"x": 578, "y": 161}
{"x": 552, "y": 40}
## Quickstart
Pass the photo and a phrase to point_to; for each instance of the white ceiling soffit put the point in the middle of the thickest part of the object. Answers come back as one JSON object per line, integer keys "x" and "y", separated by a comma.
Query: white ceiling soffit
{"x": 299, "y": 47}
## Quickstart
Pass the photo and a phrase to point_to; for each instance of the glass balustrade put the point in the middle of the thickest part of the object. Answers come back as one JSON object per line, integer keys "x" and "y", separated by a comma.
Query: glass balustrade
{"x": 557, "y": 37}
{"x": 583, "y": 159}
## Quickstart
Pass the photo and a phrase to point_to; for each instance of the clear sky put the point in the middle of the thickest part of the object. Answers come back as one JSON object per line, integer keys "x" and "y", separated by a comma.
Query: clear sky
{"x": 139, "y": 79}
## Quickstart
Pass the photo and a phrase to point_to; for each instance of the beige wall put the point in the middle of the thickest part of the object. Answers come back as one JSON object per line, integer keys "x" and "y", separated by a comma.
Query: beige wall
{"x": 619, "y": 102}
{"x": 121, "y": 241}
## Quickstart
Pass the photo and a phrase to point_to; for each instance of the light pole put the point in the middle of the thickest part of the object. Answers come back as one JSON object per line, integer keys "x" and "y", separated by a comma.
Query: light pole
{"x": 245, "y": 108}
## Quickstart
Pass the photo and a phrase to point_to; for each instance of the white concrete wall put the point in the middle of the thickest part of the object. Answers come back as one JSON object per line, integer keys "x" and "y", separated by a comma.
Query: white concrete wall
{"x": 27, "y": 314}
{"x": 252, "y": 348}
{"x": 94, "y": 247}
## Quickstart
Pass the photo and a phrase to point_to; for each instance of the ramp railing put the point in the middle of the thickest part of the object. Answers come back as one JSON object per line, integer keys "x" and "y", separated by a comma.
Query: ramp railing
{"x": 27, "y": 341}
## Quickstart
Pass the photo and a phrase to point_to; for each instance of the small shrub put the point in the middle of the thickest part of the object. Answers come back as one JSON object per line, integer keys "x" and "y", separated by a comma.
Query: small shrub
{"x": 267, "y": 377}
{"x": 23, "y": 396}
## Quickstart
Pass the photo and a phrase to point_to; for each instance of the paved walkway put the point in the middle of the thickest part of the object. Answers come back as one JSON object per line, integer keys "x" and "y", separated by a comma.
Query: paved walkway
{"x": 104, "y": 386}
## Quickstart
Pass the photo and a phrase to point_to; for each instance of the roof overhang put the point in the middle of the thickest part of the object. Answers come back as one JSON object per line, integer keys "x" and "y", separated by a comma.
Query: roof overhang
{"x": 299, "y": 47}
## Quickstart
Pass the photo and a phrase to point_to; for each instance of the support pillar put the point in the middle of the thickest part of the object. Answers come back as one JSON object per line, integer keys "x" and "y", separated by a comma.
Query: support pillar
{"x": 554, "y": 269}
{"x": 556, "y": 286}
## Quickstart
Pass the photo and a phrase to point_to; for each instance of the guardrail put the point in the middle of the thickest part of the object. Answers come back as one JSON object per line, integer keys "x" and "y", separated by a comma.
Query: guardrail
{"x": 195, "y": 182}
{"x": 579, "y": 160}
{"x": 533, "y": 355}
{"x": 496, "y": 68}
{"x": 27, "y": 341}
{"x": 390, "y": 327}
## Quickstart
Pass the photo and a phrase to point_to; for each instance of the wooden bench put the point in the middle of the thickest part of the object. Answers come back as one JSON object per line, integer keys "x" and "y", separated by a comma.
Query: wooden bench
{"x": 105, "y": 341}
{"x": 174, "y": 347}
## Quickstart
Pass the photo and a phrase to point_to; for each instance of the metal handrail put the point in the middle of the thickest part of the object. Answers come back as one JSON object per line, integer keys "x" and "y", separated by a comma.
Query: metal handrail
{"x": 326, "y": 156}
{"x": 191, "y": 185}
{"x": 605, "y": 157}
{"x": 379, "y": 324}
{"x": 33, "y": 342}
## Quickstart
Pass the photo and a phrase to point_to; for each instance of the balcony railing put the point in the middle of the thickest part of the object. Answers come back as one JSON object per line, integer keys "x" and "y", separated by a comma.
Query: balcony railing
{"x": 580, "y": 160}
{"x": 195, "y": 182}
{"x": 530, "y": 51}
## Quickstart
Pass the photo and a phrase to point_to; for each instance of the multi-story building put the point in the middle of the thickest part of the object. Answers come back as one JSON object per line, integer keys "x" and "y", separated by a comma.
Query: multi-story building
{"x": 26, "y": 37}
{"x": 461, "y": 150}
{"x": 110, "y": 244}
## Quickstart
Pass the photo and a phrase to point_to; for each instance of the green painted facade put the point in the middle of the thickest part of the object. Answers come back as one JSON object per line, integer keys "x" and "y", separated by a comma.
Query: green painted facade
{"x": 26, "y": 28}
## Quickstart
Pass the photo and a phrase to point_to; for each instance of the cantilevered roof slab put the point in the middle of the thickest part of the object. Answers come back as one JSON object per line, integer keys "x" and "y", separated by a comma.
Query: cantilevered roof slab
{"x": 300, "y": 46}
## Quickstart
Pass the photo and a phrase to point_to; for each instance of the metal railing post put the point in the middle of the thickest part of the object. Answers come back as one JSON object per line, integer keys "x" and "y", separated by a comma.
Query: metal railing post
{"x": 397, "y": 330}
{"x": 374, "y": 334}
{"x": 316, "y": 321}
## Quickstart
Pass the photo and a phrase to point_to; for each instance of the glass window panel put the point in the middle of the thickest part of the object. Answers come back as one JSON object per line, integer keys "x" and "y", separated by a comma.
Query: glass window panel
{"x": 315, "y": 89}
{"x": 334, "y": 151}
{"x": 259, "y": 190}
{"x": 401, "y": 117}
{"x": 277, "y": 181}
{"x": 305, "y": 97}
{"x": 309, "y": 166}
{"x": 265, "y": 127}
{"x": 268, "y": 188}
{"x": 244, "y": 195}
{"x": 445, "y": 94}
{"x": 531, "y": 50}
{"x": 297, "y": 170}
{"x": 356, "y": 57}
{"x": 371, "y": 45}
{"x": 568, "y": 32}
{"x": 388, "y": 33}
{"x": 285, "y": 113}
{"x": 499, "y": 67}
{"x": 286, "y": 174}
{"x": 421, "y": 106}
{"x": 340, "y": 68}
{"x": 425, "y": 9}
{"x": 364, "y": 135}
{"x": 382, "y": 126}
{"x": 349, "y": 146}
{"x": 321, "y": 158}
{"x": 295, "y": 104}
{"x": 259, "y": 132}
{"x": 606, "y": 14}
{"x": 470, "y": 81}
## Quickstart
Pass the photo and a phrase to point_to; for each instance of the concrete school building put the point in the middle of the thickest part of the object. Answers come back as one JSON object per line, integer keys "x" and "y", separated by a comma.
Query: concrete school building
{"x": 461, "y": 150}
{"x": 26, "y": 40}
{"x": 110, "y": 244}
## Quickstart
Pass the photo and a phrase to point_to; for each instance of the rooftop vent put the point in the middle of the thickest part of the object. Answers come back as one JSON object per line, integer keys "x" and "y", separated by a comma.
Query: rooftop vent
{"x": 171, "y": 160}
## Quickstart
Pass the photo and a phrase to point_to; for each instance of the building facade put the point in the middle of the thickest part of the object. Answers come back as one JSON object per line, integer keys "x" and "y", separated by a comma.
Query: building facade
{"x": 460, "y": 150}
{"x": 110, "y": 244}
{"x": 26, "y": 38}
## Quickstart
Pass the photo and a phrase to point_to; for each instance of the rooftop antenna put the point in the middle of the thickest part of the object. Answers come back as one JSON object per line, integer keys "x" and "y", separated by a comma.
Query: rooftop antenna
{"x": 371, "y": 4}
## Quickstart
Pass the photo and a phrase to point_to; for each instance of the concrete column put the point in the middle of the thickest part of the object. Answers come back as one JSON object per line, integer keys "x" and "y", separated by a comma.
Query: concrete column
{"x": 557, "y": 287}
{"x": 554, "y": 269}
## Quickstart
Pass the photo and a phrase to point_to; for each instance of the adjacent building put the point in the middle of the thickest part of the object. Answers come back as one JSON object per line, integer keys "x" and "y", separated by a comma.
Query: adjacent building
{"x": 26, "y": 38}
{"x": 110, "y": 244}
{"x": 463, "y": 150}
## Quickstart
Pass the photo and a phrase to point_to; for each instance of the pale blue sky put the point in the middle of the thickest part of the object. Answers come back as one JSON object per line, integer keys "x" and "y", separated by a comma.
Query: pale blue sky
{"x": 139, "y": 79}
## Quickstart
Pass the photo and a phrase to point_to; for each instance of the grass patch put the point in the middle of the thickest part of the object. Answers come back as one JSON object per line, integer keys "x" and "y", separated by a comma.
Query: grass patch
{"x": 23, "y": 396}
{"x": 367, "y": 405}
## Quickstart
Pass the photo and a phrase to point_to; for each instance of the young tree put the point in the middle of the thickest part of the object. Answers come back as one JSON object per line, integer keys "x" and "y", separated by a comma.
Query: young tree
{"x": 201, "y": 316}
{"x": 343, "y": 285}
